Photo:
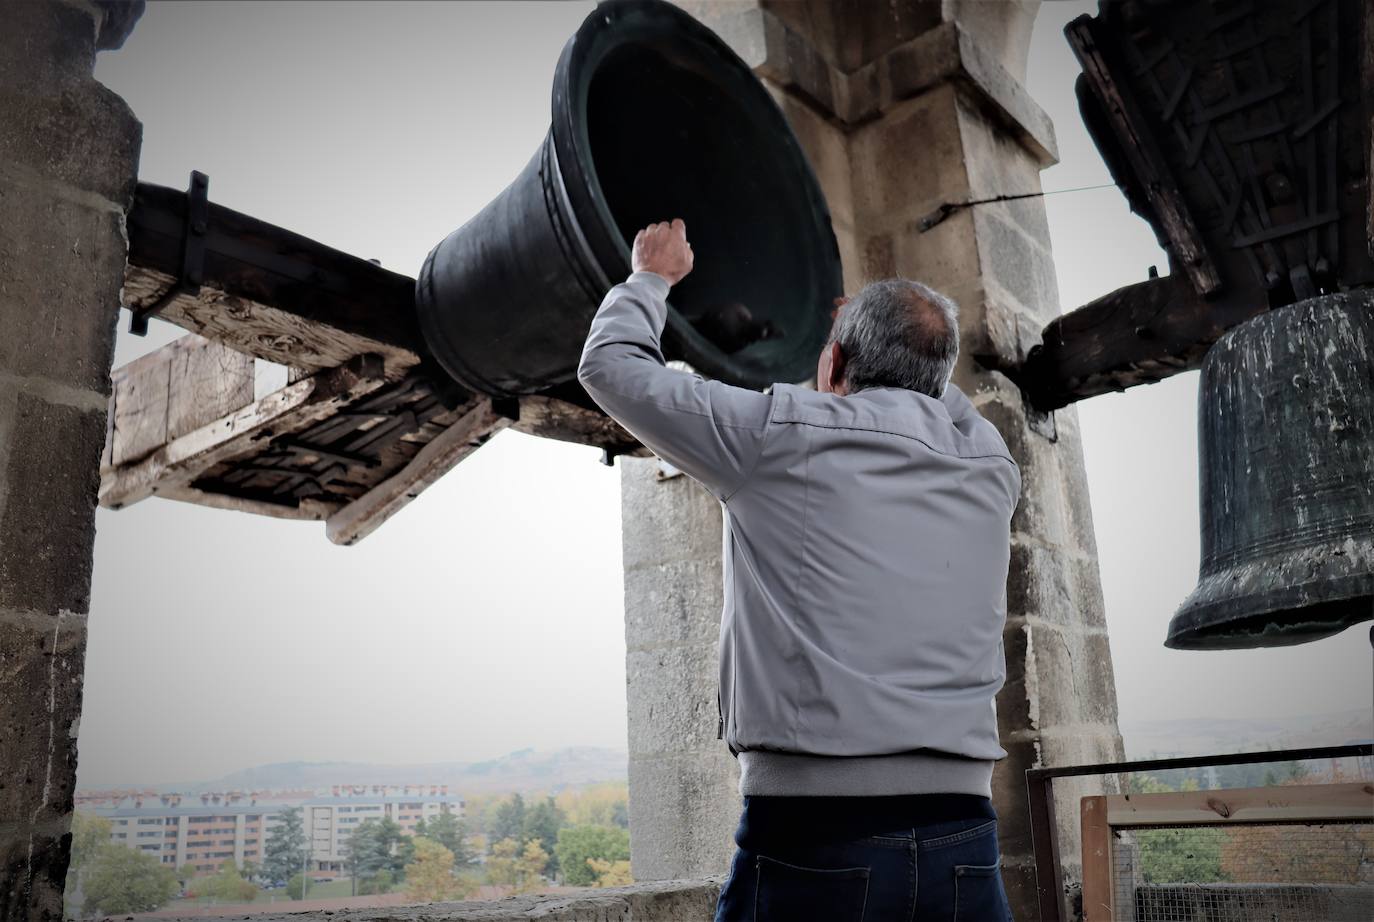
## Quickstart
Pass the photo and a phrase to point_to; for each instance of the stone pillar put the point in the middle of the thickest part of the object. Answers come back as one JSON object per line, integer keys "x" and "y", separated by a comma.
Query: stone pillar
{"x": 902, "y": 107}
{"x": 68, "y": 164}
{"x": 684, "y": 783}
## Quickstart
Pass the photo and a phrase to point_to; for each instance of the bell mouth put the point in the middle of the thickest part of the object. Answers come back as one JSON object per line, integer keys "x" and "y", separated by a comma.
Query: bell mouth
{"x": 656, "y": 118}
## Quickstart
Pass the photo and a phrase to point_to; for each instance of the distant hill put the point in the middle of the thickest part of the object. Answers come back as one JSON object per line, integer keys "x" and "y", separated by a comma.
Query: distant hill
{"x": 524, "y": 770}
{"x": 1146, "y": 739}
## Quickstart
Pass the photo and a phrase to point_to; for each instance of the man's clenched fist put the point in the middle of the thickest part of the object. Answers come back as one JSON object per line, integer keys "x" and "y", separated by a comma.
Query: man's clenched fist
{"x": 663, "y": 249}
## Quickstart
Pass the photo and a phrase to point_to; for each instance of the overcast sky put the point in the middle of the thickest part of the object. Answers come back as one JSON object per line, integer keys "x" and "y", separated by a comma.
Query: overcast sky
{"x": 487, "y": 616}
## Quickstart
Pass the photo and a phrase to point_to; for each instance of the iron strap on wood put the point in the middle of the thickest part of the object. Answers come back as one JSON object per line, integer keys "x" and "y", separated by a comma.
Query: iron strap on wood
{"x": 195, "y": 226}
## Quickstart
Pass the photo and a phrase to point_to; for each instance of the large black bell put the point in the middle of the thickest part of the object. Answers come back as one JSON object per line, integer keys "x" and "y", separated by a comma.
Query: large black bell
{"x": 653, "y": 118}
{"x": 1286, "y": 453}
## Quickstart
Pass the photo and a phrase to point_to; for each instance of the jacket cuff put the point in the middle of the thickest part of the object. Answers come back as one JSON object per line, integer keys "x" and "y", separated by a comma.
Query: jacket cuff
{"x": 655, "y": 281}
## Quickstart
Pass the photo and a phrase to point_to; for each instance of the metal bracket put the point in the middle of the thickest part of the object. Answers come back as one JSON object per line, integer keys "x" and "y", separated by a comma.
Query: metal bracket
{"x": 193, "y": 234}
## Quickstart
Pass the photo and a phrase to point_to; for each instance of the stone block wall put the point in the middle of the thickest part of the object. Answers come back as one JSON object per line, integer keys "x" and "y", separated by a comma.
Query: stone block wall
{"x": 68, "y": 165}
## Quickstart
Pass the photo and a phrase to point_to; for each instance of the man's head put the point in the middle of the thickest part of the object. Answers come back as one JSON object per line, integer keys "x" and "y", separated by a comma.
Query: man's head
{"x": 893, "y": 333}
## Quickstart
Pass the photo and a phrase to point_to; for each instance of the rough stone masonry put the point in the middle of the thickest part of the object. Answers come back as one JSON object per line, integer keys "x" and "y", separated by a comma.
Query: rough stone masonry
{"x": 901, "y": 107}
{"x": 68, "y": 165}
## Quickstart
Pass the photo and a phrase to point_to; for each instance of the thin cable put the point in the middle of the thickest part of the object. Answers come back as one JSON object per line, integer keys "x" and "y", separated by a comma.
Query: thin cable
{"x": 949, "y": 208}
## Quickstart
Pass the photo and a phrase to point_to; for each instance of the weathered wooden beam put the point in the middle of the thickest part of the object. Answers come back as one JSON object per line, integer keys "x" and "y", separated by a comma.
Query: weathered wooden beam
{"x": 305, "y": 510}
{"x": 177, "y": 462}
{"x": 1139, "y": 334}
{"x": 1098, "y": 873}
{"x": 361, "y": 517}
{"x": 1138, "y": 143}
{"x": 1340, "y": 802}
{"x": 269, "y": 292}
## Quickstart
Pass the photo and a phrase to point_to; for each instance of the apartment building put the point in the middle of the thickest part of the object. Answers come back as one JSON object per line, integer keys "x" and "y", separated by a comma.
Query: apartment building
{"x": 200, "y": 835}
{"x": 330, "y": 821}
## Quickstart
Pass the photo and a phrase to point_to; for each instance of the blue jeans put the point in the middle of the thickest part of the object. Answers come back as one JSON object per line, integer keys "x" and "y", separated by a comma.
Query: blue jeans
{"x": 931, "y": 858}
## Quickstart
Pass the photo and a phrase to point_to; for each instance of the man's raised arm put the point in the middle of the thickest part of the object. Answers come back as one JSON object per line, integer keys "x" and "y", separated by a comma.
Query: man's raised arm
{"x": 711, "y": 431}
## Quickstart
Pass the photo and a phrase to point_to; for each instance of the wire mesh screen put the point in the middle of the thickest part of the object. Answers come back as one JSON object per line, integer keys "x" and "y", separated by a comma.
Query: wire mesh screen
{"x": 1254, "y": 873}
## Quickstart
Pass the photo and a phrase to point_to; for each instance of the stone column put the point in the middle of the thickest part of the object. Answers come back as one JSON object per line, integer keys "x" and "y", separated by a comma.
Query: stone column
{"x": 68, "y": 164}
{"x": 902, "y": 107}
{"x": 684, "y": 784}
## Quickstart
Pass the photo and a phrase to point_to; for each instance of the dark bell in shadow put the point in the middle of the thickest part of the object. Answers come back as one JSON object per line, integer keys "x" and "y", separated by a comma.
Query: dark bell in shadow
{"x": 732, "y": 326}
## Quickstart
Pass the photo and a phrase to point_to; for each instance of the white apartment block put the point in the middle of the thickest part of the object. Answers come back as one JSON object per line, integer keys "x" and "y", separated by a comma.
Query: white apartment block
{"x": 330, "y": 821}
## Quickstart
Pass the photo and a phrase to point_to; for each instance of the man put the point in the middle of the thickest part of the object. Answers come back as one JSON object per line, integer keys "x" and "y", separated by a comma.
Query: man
{"x": 866, "y": 550}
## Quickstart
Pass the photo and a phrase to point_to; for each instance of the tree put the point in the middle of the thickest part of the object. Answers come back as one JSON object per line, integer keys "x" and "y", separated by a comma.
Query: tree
{"x": 285, "y": 855}
{"x": 501, "y": 864}
{"x": 542, "y": 822}
{"x": 602, "y": 804}
{"x": 529, "y": 867}
{"x": 451, "y": 833}
{"x": 89, "y": 834}
{"x": 299, "y": 886}
{"x": 579, "y": 844}
{"x": 378, "y": 846}
{"x": 430, "y": 876}
{"x": 227, "y": 885}
{"x": 122, "y": 880}
{"x": 509, "y": 821}
{"x": 611, "y": 873}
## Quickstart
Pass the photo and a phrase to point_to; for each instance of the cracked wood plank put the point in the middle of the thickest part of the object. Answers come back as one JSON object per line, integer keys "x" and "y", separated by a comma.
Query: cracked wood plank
{"x": 179, "y": 461}
{"x": 361, "y": 517}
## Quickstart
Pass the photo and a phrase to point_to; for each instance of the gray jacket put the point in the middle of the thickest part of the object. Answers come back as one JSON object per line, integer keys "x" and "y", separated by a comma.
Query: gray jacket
{"x": 865, "y": 557}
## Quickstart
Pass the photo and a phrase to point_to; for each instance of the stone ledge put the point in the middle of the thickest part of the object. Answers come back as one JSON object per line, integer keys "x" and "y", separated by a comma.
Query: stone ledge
{"x": 659, "y": 901}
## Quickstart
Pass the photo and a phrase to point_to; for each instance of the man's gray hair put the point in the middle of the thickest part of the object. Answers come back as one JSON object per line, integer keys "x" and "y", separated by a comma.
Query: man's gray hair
{"x": 898, "y": 333}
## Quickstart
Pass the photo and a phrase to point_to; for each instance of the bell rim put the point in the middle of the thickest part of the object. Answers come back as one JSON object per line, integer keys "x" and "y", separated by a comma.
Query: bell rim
{"x": 1197, "y": 622}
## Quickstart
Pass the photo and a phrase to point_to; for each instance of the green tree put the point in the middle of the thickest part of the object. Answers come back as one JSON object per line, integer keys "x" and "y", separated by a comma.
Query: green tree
{"x": 299, "y": 886}
{"x": 378, "y": 846}
{"x": 451, "y": 833}
{"x": 122, "y": 880}
{"x": 285, "y": 855}
{"x": 509, "y": 822}
{"x": 227, "y": 885}
{"x": 542, "y": 822}
{"x": 89, "y": 834}
{"x": 429, "y": 876}
{"x": 579, "y": 844}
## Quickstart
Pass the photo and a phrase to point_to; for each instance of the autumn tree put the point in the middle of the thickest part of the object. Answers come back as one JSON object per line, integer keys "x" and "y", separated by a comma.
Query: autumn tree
{"x": 529, "y": 867}
{"x": 611, "y": 873}
{"x": 501, "y": 867}
{"x": 429, "y": 876}
{"x": 603, "y": 804}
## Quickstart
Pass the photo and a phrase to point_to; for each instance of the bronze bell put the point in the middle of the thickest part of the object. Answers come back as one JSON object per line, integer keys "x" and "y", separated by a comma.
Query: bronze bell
{"x": 1286, "y": 456}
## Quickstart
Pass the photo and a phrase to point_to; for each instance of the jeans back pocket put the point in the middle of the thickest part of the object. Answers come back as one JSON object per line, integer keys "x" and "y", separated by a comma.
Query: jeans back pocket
{"x": 788, "y": 893}
{"x": 978, "y": 894}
